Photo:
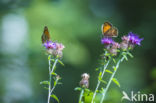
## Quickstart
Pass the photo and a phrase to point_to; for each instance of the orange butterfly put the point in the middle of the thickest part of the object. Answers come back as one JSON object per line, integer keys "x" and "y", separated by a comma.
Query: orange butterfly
{"x": 45, "y": 36}
{"x": 108, "y": 30}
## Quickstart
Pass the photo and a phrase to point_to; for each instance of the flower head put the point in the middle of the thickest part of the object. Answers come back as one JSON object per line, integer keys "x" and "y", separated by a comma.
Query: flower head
{"x": 85, "y": 80}
{"x": 60, "y": 46}
{"x": 50, "y": 45}
{"x": 134, "y": 39}
{"x": 107, "y": 41}
{"x": 54, "y": 48}
{"x": 114, "y": 48}
{"x": 130, "y": 41}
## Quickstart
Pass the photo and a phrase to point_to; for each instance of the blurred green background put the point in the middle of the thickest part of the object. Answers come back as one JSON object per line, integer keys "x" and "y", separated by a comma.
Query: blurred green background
{"x": 77, "y": 24}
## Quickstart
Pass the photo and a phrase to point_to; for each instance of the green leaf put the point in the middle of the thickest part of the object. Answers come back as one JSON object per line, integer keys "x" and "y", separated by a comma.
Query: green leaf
{"x": 59, "y": 83}
{"x": 103, "y": 81}
{"x": 49, "y": 57}
{"x": 116, "y": 82}
{"x": 53, "y": 60}
{"x": 78, "y": 89}
{"x": 130, "y": 54}
{"x": 87, "y": 90}
{"x": 124, "y": 53}
{"x": 118, "y": 50}
{"x": 96, "y": 69}
{"x": 114, "y": 68}
{"x": 100, "y": 75}
{"x": 55, "y": 97}
{"x": 107, "y": 54}
{"x": 44, "y": 82}
{"x": 114, "y": 60}
{"x": 55, "y": 83}
{"x": 60, "y": 62}
{"x": 53, "y": 73}
{"x": 125, "y": 57}
{"x": 108, "y": 71}
{"x": 46, "y": 88}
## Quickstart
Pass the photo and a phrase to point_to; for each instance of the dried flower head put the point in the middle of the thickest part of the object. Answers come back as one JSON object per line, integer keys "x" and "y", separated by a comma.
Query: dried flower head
{"x": 113, "y": 50}
{"x": 85, "y": 80}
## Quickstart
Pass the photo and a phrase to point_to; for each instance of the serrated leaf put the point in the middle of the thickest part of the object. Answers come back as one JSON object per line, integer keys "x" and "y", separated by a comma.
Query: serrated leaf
{"x": 44, "y": 82}
{"x": 55, "y": 97}
{"x": 53, "y": 73}
{"x": 60, "y": 62}
{"x": 116, "y": 82}
{"x": 78, "y": 89}
{"x": 130, "y": 54}
{"x": 108, "y": 71}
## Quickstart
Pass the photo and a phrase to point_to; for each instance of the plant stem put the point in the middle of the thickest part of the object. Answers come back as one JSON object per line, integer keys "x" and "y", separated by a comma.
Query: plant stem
{"x": 50, "y": 71}
{"x": 98, "y": 84}
{"x": 110, "y": 80}
{"x": 53, "y": 87}
{"x": 81, "y": 95}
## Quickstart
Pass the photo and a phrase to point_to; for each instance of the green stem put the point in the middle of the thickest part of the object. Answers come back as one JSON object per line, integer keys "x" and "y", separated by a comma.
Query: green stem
{"x": 110, "y": 80}
{"x": 54, "y": 86}
{"x": 81, "y": 95}
{"x": 98, "y": 84}
{"x": 50, "y": 71}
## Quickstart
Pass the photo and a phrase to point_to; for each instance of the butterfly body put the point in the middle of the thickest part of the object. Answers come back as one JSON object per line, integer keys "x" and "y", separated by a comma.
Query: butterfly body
{"x": 45, "y": 36}
{"x": 108, "y": 30}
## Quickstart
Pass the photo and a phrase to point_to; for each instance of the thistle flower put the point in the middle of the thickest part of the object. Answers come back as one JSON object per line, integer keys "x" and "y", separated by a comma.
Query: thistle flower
{"x": 130, "y": 41}
{"x": 114, "y": 48}
{"x": 85, "y": 80}
{"x": 49, "y": 45}
{"x": 54, "y": 48}
{"x": 134, "y": 39}
{"x": 107, "y": 40}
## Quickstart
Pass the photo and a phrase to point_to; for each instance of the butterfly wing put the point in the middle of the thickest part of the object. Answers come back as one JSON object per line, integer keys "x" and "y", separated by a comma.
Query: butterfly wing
{"x": 106, "y": 27}
{"x": 45, "y": 36}
{"x": 113, "y": 32}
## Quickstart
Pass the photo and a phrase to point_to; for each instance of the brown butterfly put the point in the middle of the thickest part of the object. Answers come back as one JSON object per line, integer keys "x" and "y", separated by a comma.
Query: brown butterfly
{"x": 108, "y": 30}
{"x": 45, "y": 36}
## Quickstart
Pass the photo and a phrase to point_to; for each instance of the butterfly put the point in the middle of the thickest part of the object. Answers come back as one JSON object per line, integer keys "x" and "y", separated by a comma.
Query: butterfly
{"x": 45, "y": 36}
{"x": 108, "y": 30}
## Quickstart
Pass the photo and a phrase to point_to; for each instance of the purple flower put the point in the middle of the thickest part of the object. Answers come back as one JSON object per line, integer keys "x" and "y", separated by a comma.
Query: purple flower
{"x": 134, "y": 39}
{"x": 50, "y": 45}
{"x": 107, "y": 40}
